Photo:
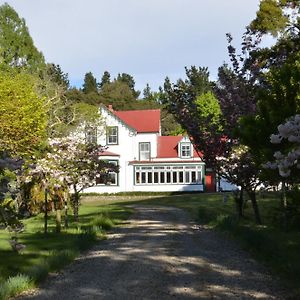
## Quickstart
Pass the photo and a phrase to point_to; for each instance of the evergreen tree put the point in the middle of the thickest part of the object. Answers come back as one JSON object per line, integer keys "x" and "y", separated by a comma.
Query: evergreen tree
{"x": 90, "y": 84}
{"x": 57, "y": 75}
{"x": 16, "y": 45}
{"x": 147, "y": 93}
{"x": 118, "y": 94}
{"x": 128, "y": 79}
{"x": 105, "y": 79}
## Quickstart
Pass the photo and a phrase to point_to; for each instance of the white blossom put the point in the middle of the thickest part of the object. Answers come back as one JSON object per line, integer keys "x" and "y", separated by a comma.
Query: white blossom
{"x": 275, "y": 138}
{"x": 290, "y": 131}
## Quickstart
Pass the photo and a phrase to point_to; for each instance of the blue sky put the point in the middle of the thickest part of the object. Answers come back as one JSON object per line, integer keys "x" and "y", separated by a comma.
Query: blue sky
{"x": 149, "y": 39}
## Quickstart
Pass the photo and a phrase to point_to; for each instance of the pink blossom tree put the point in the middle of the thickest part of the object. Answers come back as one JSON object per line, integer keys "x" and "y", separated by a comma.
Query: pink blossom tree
{"x": 69, "y": 163}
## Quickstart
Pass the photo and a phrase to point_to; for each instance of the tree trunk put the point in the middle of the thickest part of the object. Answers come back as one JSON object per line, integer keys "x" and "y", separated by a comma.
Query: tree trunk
{"x": 284, "y": 205}
{"x": 252, "y": 196}
{"x": 46, "y": 212}
{"x": 75, "y": 203}
{"x": 58, "y": 221}
{"x": 240, "y": 204}
{"x": 66, "y": 215}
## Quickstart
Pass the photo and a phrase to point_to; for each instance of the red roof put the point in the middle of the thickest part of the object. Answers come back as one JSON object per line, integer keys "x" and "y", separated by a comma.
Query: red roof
{"x": 147, "y": 120}
{"x": 167, "y": 147}
{"x": 108, "y": 153}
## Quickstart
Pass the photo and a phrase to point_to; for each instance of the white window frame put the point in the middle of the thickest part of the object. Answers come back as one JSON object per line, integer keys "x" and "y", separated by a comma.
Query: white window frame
{"x": 144, "y": 154}
{"x": 173, "y": 175}
{"x": 186, "y": 150}
{"x": 112, "y": 135}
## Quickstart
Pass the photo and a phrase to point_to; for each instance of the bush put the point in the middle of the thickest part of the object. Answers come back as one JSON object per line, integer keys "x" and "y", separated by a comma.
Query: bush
{"x": 15, "y": 285}
{"x": 102, "y": 222}
{"x": 226, "y": 222}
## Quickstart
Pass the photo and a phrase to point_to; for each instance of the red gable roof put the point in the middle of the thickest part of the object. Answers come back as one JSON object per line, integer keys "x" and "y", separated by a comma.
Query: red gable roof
{"x": 147, "y": 120}
{"x": 167, "y": 147}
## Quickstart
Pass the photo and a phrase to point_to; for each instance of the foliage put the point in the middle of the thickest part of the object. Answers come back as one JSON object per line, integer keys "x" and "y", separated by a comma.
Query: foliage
{"x": 118, "y": 94}
{"x": 195, "y": 116}
{"x": 276, "y": 17}
{"x": 16, "y": 45}
{"x": 286, "y": 162}
{"x": 70, "y": 162}
{"x": 102, "y": 222}
{"x": 209, "y": 109}
{"x": 90, "y": 84}
{"x": 57, "y": 75}
{"x": 23, "y": 117}
{"x": 129, "y": 81}
{"x": 14, "y": 285}
{"x": 105, "y": 79}
{"x": 239, "y": 168}
{"x": 236, "y": 96}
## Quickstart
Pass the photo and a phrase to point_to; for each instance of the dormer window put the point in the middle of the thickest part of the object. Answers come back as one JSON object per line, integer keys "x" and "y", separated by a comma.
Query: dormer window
{"x": 185, "y": 150}
{"x": 112, "y": 135}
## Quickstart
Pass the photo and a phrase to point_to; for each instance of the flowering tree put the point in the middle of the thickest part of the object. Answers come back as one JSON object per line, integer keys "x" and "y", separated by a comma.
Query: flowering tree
{"x": 239, "y": 169}
{"x": 288, "y": 161}
{"x": 70, "y": 163}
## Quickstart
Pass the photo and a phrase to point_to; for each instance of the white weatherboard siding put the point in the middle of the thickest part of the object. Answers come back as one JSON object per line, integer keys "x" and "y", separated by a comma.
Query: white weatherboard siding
{"x": 131, "y": 175}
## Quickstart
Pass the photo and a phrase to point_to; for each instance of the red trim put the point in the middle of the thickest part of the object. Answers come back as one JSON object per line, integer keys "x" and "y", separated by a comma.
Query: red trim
{"x": 108, "y": 153}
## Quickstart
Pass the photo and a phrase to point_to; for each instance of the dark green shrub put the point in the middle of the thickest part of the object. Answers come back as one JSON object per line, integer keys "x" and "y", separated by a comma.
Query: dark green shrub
{"x": 102, "y": 222}
{"x": 226, "y": 222}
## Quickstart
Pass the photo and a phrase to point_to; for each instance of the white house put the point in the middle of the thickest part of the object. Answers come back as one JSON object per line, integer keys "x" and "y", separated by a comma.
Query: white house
{"x": 147, "y": 160}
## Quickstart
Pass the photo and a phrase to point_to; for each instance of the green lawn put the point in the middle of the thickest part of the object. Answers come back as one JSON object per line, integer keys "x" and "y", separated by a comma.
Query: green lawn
{"x": 44, "y": 253}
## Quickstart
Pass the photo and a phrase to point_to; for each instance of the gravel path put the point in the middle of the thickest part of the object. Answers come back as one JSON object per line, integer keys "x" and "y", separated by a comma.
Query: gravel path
{"x": 161, "y": 254}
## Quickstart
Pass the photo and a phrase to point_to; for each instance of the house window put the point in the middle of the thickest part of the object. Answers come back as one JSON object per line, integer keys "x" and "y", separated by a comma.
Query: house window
{"x": 144, "y": 151}
{"x": 153, "y": 175}
{"x": 108, "y": 178}
{"x": 91, "y": 135}
{"x": 185, "y": 150}
{"x": 112, "y": 135}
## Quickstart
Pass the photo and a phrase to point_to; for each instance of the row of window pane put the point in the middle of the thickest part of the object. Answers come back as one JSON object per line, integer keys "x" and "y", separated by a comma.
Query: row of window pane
{"x": 155, "y": 176}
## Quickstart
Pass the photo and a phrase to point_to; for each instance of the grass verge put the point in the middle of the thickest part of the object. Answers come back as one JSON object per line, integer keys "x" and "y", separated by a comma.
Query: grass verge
{"x": 51, "y": 252}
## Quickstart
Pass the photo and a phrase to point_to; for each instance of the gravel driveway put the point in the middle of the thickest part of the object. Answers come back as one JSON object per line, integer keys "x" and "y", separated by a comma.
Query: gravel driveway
{"x": 161, "y": 254}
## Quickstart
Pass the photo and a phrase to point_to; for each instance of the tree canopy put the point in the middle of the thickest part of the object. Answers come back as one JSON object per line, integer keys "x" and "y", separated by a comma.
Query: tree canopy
{"x": 16, "y": 45}
{"x": 23, "y": 118}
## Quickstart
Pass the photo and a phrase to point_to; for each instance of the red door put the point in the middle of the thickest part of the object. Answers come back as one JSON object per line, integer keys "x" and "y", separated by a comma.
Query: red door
{"x": 210, "y": 183}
